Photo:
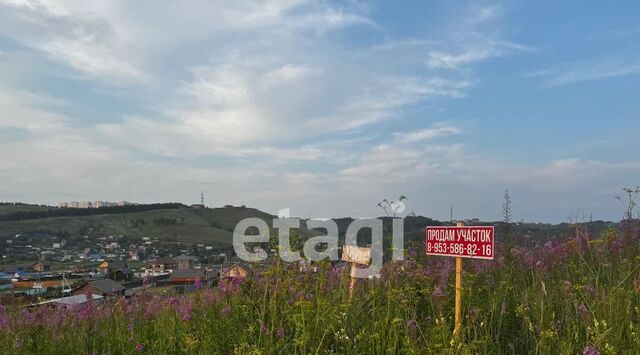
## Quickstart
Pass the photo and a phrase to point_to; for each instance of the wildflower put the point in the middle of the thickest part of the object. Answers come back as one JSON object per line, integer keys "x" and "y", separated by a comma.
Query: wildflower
{"x": 173, "y": 301}
{"x": 185, "y": 309}
{"x": 583, "y": 310}
{"x": 226, "y": 310}
{"x": 437, "y": 293}
{"x": 139, "y": 347}
{"x": 590, "y": 350}
{"x": 473, "y": 313}
{"x": 412, "y": 328}
{"x": 197, "y": 284}
{"x": 280, "y": 333}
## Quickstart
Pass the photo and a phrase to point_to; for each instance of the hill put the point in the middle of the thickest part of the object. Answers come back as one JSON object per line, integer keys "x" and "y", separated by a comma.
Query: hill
{"x": 177, "y": 222}
{"x": 183, "y": 224}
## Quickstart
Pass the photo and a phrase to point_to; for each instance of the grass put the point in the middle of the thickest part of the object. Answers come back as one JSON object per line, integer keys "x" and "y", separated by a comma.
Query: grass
{"x": 564, "y": 298}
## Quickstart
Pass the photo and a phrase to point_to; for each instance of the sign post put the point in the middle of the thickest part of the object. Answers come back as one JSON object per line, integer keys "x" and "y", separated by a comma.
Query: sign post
{"x": 476, "y": 242}
{"x": 458, "y": 320}
{"x": 356, "y": 256}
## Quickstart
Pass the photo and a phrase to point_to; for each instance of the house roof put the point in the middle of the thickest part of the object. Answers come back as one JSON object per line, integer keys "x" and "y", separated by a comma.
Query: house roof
{"x": 107, "y": 286}
{"x": 77, "y": 299}
{"x": 164, "y": 260}
{"x": 10, "y": 269}
{"x": 234, "y": 266}
{"x": 116, "y": 264}
{"x": 184, "y": 257}
{"x": 126, "y": 271}
{"x": 187, "y": 274}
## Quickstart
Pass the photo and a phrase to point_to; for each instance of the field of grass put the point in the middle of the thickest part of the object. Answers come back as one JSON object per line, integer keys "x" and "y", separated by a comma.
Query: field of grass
{"x": 581, "y": 296}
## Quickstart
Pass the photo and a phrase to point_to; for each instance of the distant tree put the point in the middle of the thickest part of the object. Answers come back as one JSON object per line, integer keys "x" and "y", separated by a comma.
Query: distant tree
{"x": 394, "y": 207}
{"x": 629, "y": 201}
{"x": 507, "y": 215}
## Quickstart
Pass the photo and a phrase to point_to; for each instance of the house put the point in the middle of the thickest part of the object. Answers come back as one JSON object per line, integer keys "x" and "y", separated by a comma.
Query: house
{"x": 10, "y": 269}
{"x": 121, "y": 274}
{"x": 103, "y": 287}
{"x": 112, "y": 265}
{"x": 234, "y": 271}
{"x": 163, "y": 264}
{"x": 184, "y": 261}
{"x": 187, "y": 276}
{"x": 77, "y": 299}
{"x": 41, "y": 266}
{"x": 116, "y": 270}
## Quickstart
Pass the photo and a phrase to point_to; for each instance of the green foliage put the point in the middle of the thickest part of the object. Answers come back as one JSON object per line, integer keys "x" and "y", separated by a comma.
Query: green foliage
{"x": 571, "y": 298}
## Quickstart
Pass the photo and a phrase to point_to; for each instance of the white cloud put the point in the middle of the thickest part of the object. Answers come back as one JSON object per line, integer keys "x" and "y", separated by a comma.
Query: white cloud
{"x": 29, "y": 111}
{"x": 435, "y": 131}
{"x": 605, "y": 67}
{"x": 286, "y": 74}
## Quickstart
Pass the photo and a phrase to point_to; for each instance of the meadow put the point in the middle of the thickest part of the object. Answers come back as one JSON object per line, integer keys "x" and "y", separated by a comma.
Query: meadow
{"x": 575, "y": 295}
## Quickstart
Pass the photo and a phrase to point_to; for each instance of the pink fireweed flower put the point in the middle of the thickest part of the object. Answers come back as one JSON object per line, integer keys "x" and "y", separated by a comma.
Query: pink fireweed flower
{"x": 280, "y": 332}
{"x": 197, "y": 284}
{"x": 226, "y": 310}
{"x": 185, "y": 309}
{"x": 139, "y": 347}
{"x": 590, "y": 350}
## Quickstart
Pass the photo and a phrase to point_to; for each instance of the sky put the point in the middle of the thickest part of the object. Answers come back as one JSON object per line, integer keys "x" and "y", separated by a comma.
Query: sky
{"x": 323, "y": 107}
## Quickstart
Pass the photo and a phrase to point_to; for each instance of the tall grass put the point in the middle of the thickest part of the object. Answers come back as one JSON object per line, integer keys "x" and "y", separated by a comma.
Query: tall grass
{"x": 580, "y": 296}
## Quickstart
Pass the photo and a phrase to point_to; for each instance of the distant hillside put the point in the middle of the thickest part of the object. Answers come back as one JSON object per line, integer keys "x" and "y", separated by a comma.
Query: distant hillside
{"x": 14, "y": 207}
{"x": 176, "y": 222}
{"x": 183, "y": 224}
{"x": 19, "y": 212}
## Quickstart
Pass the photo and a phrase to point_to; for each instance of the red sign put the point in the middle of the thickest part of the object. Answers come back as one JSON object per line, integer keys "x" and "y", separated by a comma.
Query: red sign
{"x": 467, "y": 242}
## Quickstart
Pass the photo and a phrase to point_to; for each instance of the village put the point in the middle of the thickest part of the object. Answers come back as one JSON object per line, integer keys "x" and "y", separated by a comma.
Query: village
{"x": 44, "y": 268}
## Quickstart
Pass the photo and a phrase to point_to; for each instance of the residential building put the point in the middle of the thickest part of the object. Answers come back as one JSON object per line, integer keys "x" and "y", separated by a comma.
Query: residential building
{"x": 105, "y": 287}
{"x": 184, "y": 261}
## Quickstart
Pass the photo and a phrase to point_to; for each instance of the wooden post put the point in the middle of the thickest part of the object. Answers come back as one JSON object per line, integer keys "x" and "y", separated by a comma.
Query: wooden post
{"x": 352, "y": 285}
{"x": 458, "y": 316}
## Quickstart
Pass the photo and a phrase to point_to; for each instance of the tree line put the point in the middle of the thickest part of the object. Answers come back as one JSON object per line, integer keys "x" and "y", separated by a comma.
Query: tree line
{"x": 79, "y": 212}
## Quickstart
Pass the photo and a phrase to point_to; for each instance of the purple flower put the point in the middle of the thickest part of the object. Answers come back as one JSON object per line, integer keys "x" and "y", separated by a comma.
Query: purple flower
{"x": 139, "y": 347}
{"x": 590, "y": 350}
{"x": 583, "y": 310}
{"x": 197, "y": 284}
{"x": 226, "y": 310}
{"x": 280, "y": 333}
{"x": 437, "y": 293}
{"x": 412, "y": 327}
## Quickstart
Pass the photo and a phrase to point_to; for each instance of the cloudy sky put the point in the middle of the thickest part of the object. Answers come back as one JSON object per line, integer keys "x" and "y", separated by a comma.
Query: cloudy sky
{"x": 323, "y": 107}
